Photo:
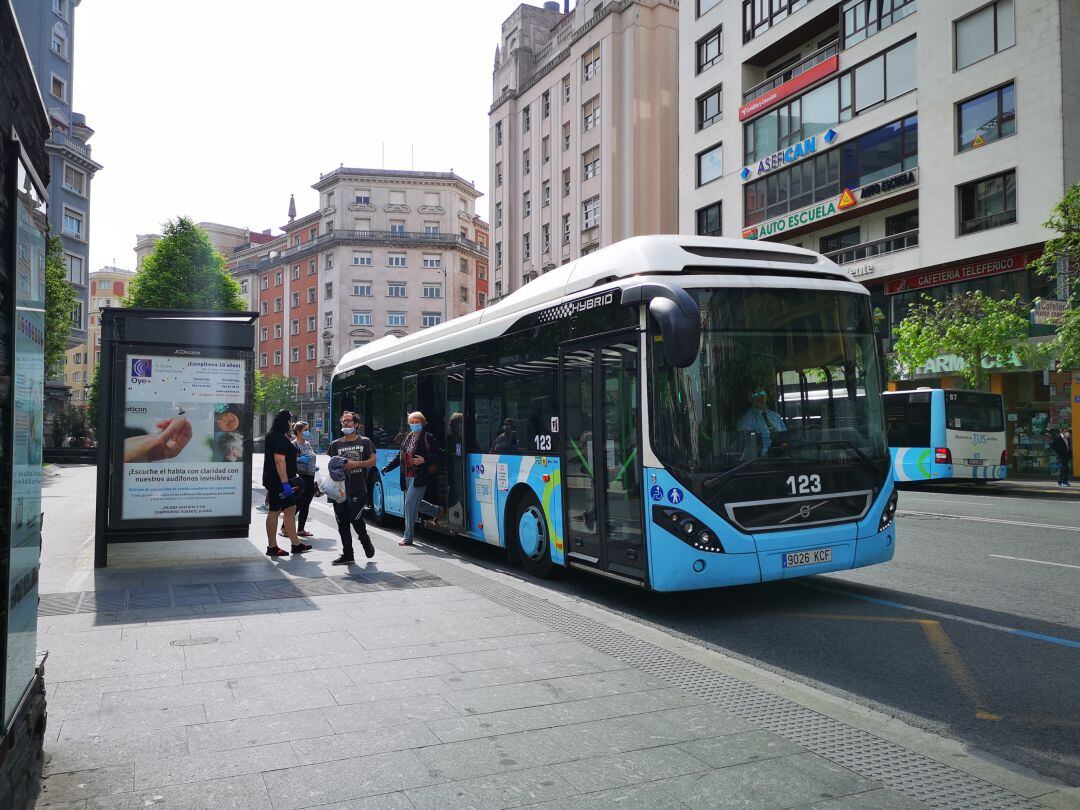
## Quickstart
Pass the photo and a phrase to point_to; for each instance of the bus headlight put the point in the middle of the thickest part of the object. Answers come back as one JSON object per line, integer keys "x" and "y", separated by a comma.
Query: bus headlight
{"x": 889, "y": 512}
{"x": 687, "y": 528}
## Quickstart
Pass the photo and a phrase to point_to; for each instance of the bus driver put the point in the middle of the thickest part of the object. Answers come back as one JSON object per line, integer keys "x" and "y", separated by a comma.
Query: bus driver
{"x": 760, "y": 421}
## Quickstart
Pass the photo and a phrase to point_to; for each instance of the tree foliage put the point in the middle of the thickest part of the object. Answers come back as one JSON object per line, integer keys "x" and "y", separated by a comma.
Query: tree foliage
{"x": 72, "y": 422}
{"x": 274, "y": 392}
{"x": 971, "y": 325}
{"x": 60, "y": 301}
{"x": 1061, "y": 255}
{"x": 93, "y": 397}
{"x": 184, "y": 272}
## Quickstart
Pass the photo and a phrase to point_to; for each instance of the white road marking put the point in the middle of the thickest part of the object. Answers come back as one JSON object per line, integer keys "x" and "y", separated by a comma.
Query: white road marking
{"x": 902, "y": 512}
{"x": 1040, "y": 562}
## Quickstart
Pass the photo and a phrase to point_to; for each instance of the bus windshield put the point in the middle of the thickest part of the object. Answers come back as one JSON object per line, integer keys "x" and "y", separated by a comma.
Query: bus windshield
{"x": 971, "y": 410}
{"x": 781, "y": 375}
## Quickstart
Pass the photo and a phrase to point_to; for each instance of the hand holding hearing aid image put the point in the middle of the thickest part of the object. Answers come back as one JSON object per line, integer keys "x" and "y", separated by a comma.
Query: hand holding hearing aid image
{"x": 172, "y": 437}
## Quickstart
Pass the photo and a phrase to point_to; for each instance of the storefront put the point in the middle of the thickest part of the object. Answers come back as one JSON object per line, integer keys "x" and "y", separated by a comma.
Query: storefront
{"x": 1038, "y": 396}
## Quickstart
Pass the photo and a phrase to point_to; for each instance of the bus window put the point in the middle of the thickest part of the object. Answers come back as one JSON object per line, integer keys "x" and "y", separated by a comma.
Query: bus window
{"x": 386, "y": 415}
{"x": 907, "y": 419}
{"x": 971, "y": 410}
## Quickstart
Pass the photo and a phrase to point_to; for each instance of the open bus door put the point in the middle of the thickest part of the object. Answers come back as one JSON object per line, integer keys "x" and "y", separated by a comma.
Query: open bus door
{"x": 601, "y": 464}
{"x": 455, "y": 480}
{"x": 428, "y": 392}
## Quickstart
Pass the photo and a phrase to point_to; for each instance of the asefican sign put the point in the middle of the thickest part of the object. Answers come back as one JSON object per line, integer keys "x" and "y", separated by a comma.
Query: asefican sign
{"x": 979, "y": 268}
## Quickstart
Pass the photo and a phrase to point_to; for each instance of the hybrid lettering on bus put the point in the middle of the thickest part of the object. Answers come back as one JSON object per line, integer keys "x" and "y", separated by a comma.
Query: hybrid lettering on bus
{"x": 674, "y": 412}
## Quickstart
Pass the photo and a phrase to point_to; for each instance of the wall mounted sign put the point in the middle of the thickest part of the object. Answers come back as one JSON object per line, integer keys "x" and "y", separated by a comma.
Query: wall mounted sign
{"x": 975, "y": 269}
{"x": 792, "y": 154}
{"x": 789, "y": 88}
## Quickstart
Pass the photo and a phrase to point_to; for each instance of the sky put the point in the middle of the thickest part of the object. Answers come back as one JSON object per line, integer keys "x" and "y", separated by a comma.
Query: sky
{"x": 220, "y": 109}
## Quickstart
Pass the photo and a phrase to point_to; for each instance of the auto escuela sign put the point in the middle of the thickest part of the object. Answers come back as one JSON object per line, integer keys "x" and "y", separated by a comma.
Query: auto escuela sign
{"x": 828, "y": 208}
{"x": 979, "y": 268}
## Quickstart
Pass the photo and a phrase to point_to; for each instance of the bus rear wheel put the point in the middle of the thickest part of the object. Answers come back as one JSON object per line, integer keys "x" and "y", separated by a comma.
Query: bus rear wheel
{"x": 531, "y": 537}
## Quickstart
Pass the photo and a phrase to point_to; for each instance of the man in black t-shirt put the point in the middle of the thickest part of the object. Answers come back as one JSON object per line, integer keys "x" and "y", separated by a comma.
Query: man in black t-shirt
{"x": 278, "y": 444}
{"x": 359, "y": 453}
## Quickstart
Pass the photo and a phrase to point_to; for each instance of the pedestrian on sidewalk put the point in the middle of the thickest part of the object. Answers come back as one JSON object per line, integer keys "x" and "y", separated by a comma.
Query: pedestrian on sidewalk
{"x": 305, "y": 468}
{"x": 282, "y": 485}
{"x": 417, "y": 460}
{"x": 1062, "y": 446}
{"x": 359, "y": 455}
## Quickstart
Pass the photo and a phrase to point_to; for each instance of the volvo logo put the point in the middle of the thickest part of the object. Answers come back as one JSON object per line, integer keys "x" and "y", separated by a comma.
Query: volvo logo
{"x": 804, "y": 511}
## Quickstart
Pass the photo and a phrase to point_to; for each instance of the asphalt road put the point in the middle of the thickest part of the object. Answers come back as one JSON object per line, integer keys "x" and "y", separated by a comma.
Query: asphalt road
{"x": 972, "y": 631}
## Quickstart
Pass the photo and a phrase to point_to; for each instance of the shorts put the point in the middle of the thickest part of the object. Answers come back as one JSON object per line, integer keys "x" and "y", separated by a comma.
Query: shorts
{"x": 278, "y": 502}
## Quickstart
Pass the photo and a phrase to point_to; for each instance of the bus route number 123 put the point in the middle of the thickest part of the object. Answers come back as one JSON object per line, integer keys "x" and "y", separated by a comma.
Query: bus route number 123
{"x": 804, "y": 484}
{"x": 542, "y": 441}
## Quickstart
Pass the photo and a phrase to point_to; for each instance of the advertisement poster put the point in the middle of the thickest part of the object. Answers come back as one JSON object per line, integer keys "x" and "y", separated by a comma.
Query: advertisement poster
{"x": 27, "y": 433}
{"x": 184, "y": 432}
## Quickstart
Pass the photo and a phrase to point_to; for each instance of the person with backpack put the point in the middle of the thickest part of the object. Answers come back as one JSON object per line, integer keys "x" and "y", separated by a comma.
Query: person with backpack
{"x": 283, "y": 485}
{"x": 417, "y": 460}
{"x": 359, "y": 455}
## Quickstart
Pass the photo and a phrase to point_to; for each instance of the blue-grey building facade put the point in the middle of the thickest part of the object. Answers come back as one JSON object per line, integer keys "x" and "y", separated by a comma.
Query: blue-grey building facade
{"x": 48, "y": 29}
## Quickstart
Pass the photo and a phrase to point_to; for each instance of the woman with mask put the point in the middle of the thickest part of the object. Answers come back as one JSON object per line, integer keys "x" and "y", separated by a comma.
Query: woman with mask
{"x": 282, "y": 485}
{"x": 417, "y": 457}
{"x": 305, "y": 468}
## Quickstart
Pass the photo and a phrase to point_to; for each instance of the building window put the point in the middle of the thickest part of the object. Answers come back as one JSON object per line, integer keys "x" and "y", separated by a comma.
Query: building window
{"x": 328, "y": 320}
{"x": 986, "y": 118}
{"x": 498, "y": 254}
{"x": 362, "y": 258}
{"x": 328, "y": 290}
{"x": 73, "y": 223}
{"x": 545, "y": 194}
{"x": 311, "y": 377}
{"x": 263, "y": 360}
{"x": 311, "y": 295}
{"x": 481, "y": 299}
{"x": 526, "y": 119}
{"x": 58, "y": 88}
{"x": 361, "y": 288}
{"x": 984, "y": 32}
{"x": 296, "y": 272}
{"x": 277, "y": 279}
{"x": 710, "y": 164}
{"x": 75, "y": 269}
{"x": 566, "y": 136}
{"x": 526, "y": 161}
{"x": 840, "y": 240}
{"x": 429, "y": 319}
{"x": 710, "y": 107}
{"x": 294, "y": 326}
{"x": 463, "y": 266}
{"x": 264, "y": 281}
{"x": 590, "y": 210}
{"x": 498, "y": 133}
{"x": 545, "y": 149}
{"x": 311, "y": 267}
{"x": 363, "y": 197}
{"x": 565, "y": 228}
{"x": 74, "y": 180}
{"x": 396, "y": 260}
{"x": 463, "y": 294}
{"x": 545, "y": 237}
{"x": 526, "y": 204}
{"x": 395, "y": 289}
{"x": 591, "y": 163}
{"x": 709, "y": 50}
{"x": 311, "y": 323}
{"x": 431, "y": 291}
{"x": 277, "y": 358}
{"x": 988, "y": 203}
{"x": 395, "y": 319}
{"x": 526, "y": 246}
{"x": 432, "y": 228}
{"x": 397, "y": 227}
{"x": 709, "y": 220}
{"x": 361, "y": 318}
{"x": 590, "y": 63}
{"x": 864, "y": 18}
{"x": 498, "y": 175}
{"x": 545, "y": 104}
{"x": 566, "y": 182}
{"x": 328, "y": 350}
{"x": 498, "y": 214}
{"x": 328, "y": 263}
{"x": 706, "y": 5}
{"x": 590, "y": 113}
{"x": 244, "y": 287}
{"x": 296, "y": 299}
{"x": 77, "y": 315}
{"x": 566, "y": 90}
{"x": 431, "y": 260}
{"x": 758, "y": 15}
{"x": 277, "y": 331}
{"x": 59, "y": 7}
{"x": 310, "y": 354}
{"x": 294, "y": 354}
{"x": 264, "y": 308}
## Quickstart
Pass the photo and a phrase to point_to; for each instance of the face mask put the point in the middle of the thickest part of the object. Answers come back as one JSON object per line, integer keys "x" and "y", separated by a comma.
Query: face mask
{"x": 348, "y": 431}
{"x": 307, "y": 434}
{"x": 416, "y": 428}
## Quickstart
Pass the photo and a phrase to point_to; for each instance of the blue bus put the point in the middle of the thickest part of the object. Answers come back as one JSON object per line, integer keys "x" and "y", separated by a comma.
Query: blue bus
{"x": 940, "y": 435}
{"x": 672, "y": 412}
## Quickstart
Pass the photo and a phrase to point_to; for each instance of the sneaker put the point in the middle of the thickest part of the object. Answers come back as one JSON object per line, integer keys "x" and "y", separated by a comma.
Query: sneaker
{"x": 1066, "y": 484}
{"x": 405, "y": 543}
{"x": 303, "y": 533}
{"x": 301, "y": 548}
{"x": 369, "y": 549}
{"x": 262, "y": 507}
{"x": 343, "y": 560}
{"x": 275, "y": 551}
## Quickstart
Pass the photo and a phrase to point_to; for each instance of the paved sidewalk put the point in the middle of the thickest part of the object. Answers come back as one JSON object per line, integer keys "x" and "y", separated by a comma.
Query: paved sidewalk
{"x": 204, "y": 675}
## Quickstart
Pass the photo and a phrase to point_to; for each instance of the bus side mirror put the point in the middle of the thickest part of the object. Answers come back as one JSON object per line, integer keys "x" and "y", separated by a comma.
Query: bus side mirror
{"x": 677, "y": 315}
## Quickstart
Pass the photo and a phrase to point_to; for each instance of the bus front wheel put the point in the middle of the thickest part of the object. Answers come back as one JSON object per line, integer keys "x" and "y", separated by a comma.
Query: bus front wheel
{"x": 531, "y": 536}
{"x": 378, "y": 502}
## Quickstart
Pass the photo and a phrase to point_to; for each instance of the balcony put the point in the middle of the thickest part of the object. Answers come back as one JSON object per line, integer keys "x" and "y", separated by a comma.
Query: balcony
{"x": 878, "y": 247}
{"x": 814, "y": 59}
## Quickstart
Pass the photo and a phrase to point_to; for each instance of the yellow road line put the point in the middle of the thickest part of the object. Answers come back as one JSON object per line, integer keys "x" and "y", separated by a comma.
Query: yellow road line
{"x": 941, "y": 644}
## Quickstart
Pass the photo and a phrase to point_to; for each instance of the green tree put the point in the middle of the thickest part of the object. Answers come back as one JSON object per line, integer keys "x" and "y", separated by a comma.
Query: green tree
{"x": 184, "y": 272}
{"x": 971, "y": 325}
{"x": 60, "y": 301}
{"x": 1061, "y": 257}
{"x": 274, "y": 392}
{"x": 93, "y": 398}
